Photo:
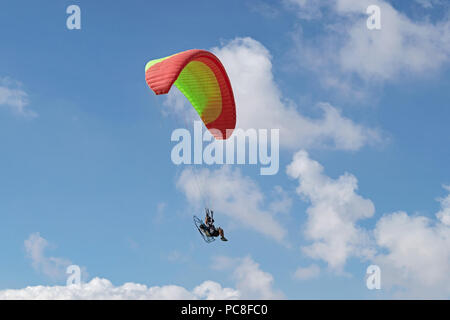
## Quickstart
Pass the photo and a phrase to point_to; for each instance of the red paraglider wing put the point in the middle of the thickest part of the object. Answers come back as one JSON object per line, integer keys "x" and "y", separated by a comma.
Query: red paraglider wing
{"x": 201, "y": 77}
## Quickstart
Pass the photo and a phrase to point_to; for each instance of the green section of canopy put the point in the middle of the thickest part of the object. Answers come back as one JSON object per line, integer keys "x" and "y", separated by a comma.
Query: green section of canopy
{"x": 199, "y": 85}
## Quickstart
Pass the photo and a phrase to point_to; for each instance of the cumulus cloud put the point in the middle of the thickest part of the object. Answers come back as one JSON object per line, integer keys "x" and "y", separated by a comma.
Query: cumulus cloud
{"x": 211, "y": 290}
{"x": 53, "y": 267}
{"x": 251, "y": 281}
{"x": 14, "y": 98}
{"x": 236, "y": 196}
{"x": 103, "y": 289}
{"x": 413, "y": 252}
{"x": 402, "y": 46}
{"x": 334, "y": 212}
{"x": 416, "y": 262}
{"x": 261, "y": 104}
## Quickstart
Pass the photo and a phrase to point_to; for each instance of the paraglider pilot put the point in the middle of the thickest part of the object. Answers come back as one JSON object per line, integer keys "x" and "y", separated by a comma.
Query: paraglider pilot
{"x": 212, "y": 230}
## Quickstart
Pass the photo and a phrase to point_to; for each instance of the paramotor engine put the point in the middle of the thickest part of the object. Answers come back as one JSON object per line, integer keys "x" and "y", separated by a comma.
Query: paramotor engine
{"x": 201, "y": 227}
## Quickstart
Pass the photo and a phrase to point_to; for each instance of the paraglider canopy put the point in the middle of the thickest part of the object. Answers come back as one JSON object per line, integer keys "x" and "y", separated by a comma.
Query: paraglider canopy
{"x": 201, "y": 77}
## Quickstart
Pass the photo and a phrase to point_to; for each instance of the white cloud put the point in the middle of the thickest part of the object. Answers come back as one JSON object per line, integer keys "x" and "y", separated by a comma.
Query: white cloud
{"x": 99, "y": 288}
{"x": 333, "y": 214}
{"x": 402, "y": 46}
{"x": 260, "y": 103}
{"x": 413, "y": 252}
{"x": 14, "y": 98}
{"x": 306, "y": 273}
{"x": 234, "y": 196}
{"x": 417, "y": 259}
{"x": 211, "y": 290}
{"x": 251, "y": 281}
{"x": 53, "y": 267}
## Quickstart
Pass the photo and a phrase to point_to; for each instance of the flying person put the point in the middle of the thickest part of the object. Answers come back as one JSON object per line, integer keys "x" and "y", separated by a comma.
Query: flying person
{"x": 212, "y": 230}
{"x": 202, "y": 78}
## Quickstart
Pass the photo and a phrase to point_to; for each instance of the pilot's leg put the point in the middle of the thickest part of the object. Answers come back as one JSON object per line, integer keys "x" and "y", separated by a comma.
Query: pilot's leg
{"x": 222, "y": 237}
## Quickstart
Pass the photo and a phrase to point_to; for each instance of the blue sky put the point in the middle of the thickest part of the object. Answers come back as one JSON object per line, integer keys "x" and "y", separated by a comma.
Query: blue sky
{"x": 86, "y": 174}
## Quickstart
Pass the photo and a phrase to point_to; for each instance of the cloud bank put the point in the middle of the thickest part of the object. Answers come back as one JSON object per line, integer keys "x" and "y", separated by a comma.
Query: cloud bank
{"x": 251, "y": 283}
